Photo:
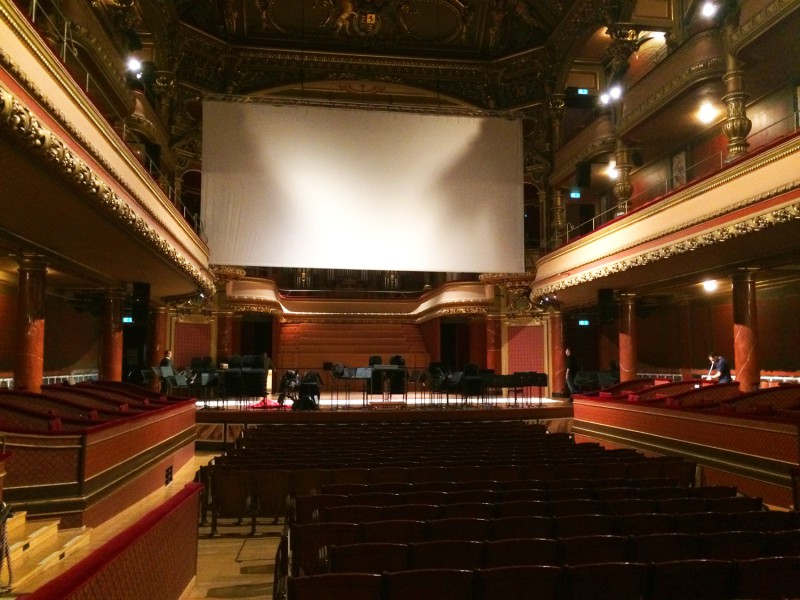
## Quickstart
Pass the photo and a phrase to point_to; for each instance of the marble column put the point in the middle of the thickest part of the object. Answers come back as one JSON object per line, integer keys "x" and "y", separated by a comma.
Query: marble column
{"x": 111, "y": 346}
{"x": 225, "y": 335}
{"x": 745, "y": 331}
{"x": 494, "y": 345}
{"x": 29, "y": 351}
{"x": 627, "y": 337}
{"x": 558, "y": 383}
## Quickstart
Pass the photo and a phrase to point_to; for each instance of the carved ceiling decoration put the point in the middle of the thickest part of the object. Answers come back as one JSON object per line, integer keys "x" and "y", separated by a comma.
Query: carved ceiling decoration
{"x": 492, "y": 54}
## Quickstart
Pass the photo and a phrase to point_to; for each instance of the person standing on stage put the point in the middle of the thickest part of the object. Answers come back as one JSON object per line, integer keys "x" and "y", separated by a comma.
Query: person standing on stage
{"x": 165, "y": 362}
{"x": 571, "y": 371}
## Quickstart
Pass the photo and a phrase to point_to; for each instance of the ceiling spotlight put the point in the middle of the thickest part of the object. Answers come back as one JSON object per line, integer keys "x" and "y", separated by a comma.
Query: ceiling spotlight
{"x": 710, "y": 285}
{"x": 134, "y": 65}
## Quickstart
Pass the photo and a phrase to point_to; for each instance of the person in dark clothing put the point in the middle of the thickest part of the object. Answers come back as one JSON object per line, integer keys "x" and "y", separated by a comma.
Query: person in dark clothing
{"x": 571, "y": 371}
{"x": 720, "y": 369}
{"x": 165, "y": 362}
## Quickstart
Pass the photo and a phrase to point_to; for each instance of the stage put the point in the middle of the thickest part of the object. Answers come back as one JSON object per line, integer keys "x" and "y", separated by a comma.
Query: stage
{"x": 219, "y": 421}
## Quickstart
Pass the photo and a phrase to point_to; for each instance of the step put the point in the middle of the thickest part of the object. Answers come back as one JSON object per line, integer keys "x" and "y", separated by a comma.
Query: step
{"x": 35, "y": 545}
{"x": 37, "y": 561}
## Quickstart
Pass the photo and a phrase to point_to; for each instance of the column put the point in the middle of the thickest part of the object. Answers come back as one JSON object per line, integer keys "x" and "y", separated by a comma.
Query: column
{"x": 494, "y": 345}
{"x": 111, "y": 343}
{"x": 558, "y": 383}
{"x": 736, "y": 125}
{"x": 224, "y": 335}
{"x": 745, "y": 331}
{"x": 685, "y": 336}
{"x": 627, "y": 337}
{"x": 623, "y": 189}
{"x": 29, "y": 354}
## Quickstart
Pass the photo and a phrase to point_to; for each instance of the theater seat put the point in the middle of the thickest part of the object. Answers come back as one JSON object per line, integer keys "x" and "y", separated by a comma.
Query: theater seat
{"x": 520, "y": 582}
{"x": 335, "y": 586}
{"x": 419, "y": 584}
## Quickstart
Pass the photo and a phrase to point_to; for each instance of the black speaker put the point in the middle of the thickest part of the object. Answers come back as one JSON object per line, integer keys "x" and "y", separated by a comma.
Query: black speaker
{"x": 583, "y": 174}
{"x": 606, "y": 306}
{"x": 140, "y": 302}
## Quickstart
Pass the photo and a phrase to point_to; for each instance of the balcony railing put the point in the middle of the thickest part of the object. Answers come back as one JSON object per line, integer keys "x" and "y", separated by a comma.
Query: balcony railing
{"x": 780, "y": 130}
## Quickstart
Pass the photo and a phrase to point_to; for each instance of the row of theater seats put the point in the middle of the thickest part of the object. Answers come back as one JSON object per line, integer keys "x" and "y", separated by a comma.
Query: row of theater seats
{"x": 692, "y": 579}
{"x": 626, "y": 537}
{"x": 455, "y": 507}
{"x": 428, "y": 471}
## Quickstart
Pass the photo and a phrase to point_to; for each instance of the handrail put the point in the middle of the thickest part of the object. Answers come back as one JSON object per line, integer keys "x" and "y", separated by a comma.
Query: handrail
{"x": 67, "y": 43}
{"x": 702, "y": 169}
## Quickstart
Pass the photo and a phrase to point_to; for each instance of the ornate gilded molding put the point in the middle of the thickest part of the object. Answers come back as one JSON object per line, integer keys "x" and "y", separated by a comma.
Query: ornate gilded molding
{"x": 726, "y": 232}
{"x": 225, "y": 273}
{"x": 55, "y": 71}
{"x": 24, "y": 126}
{"x": 704, "y": 69}
{"x": 762, "y": 21}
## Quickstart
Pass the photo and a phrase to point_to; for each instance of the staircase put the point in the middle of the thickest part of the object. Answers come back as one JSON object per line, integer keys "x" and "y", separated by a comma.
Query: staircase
{"x": 307, "y": 346}
{"x": 35, "y": 546}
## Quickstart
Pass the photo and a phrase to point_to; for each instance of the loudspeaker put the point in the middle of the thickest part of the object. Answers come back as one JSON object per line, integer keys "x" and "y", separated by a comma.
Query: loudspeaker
{"x": 140, "y": 302}
{"x": 583, "y": 174}
{"x": 606, "y": 306}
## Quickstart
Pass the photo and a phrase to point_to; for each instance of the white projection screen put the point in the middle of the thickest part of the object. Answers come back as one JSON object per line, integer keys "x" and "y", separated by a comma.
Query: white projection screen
{"x": 301, "y": 186}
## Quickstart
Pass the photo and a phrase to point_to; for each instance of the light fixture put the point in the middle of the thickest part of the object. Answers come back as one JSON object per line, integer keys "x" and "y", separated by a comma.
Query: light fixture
{"x": 710, "y": 285}
{"x": 612, "y": 170}
{"x": 707, "y": 112}
{"x": 134, "y": 65}
{"x": 613, "y": 93}
{"x": 709, "y": 9}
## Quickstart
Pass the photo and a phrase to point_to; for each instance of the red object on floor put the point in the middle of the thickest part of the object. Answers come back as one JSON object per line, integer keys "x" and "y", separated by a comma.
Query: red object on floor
{"x": 267, "y": 403}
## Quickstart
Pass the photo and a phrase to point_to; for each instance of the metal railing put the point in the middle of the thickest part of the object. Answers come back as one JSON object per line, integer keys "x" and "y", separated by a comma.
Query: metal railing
{"x": 783, "y": 128}
{"x": 63, "y": 33}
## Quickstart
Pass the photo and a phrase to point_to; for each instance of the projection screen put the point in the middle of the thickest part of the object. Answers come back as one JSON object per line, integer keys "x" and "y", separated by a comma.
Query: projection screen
{"x": 301, "y": 186}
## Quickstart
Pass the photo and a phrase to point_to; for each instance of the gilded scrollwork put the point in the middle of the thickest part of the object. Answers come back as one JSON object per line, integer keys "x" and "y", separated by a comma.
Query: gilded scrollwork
{"x": 726, "y": 232}
{"x": 32, "y": 135}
